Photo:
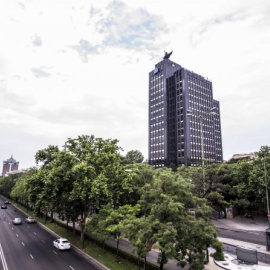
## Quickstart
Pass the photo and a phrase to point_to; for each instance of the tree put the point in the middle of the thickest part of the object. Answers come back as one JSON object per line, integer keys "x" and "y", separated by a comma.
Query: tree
{"x": 47, "y": 155}
{"x": 262, "y": 172}
{"x": 8, "y": 182}
{"x": 41, "y": 185}
{"x": 19, "y": 190}
{"x": 133, "y": 157}
{"x": 114, "y": 222}
{"x": 96, "y": 171}
{"x": 98, "y": 225}
{"x": 172, "y": 226}
{"x": 139, "y": 233}
{"x": 63, "y": 183}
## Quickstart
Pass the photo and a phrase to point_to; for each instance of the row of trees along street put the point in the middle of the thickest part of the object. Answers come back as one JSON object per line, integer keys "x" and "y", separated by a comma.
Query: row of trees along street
{"x": 119, "y": 196}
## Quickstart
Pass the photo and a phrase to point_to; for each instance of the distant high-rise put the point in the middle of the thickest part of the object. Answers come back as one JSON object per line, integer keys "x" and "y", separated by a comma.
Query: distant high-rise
{"x": 180, "y": 105}
{"x": 10, "y": 165}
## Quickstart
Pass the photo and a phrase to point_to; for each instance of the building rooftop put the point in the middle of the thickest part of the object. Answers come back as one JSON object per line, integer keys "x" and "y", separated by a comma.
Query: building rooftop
{"x": 10, "y": 160}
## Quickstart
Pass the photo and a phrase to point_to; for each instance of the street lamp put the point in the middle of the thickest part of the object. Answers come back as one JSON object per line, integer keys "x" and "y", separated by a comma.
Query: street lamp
{"x": 266, "y": 189}
{"x": 201, "y": 118}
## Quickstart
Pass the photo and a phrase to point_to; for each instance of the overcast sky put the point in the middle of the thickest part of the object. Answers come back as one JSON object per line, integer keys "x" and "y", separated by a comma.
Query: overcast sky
{"x": 80, "y": 67}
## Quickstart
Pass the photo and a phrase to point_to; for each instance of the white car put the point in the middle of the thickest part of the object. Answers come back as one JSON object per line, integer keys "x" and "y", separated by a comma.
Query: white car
{"x": 17, "y": 221}
{"x": 30, "y": 220}
{"x": 62, "y": 244}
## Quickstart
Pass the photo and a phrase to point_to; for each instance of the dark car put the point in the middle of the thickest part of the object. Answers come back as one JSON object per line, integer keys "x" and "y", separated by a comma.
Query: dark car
{"x": 3, "y": 206}
{"x": 6, "y": 202}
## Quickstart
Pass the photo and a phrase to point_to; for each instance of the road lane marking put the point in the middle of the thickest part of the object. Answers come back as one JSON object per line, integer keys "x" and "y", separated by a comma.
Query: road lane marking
{"x": 32, "y": 256}
{"x": 3, "y": 258}
{"x": 12, "y": 228}
{"x": 23, "y": 244}
{"x": 55, "y": 252}
{"x": 43, "y": 241}
{"x": 72, "y": 267}
{"x": 17, "y": 235}
{"x": 35, "y": 233}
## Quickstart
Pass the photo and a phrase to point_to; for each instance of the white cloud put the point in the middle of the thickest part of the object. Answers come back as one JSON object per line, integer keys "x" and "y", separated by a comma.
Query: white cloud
{"x": 81, "y": 67}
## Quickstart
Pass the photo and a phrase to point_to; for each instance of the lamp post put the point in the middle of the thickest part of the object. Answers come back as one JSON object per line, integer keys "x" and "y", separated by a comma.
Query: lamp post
{"x": 201, "y": 119}
{"x": 266, "y": 189}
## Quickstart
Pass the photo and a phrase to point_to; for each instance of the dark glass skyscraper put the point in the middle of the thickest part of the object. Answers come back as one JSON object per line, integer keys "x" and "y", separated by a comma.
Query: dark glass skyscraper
{"x": 184, "y": 119}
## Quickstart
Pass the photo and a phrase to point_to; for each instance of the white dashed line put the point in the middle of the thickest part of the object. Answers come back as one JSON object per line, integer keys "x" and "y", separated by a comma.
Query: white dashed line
{"x": 23, "y": 244}
{"x": 3, "y": 259}
{"x": 55, "y": 252}
{"x": 17, "y": 235}
{"x": 72, "y": 267}
{"x": 32, "y": 256}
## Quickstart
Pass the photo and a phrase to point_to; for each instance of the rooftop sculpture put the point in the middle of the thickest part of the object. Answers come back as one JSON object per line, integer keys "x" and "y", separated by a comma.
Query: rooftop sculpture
{"x": 167, "y": 55}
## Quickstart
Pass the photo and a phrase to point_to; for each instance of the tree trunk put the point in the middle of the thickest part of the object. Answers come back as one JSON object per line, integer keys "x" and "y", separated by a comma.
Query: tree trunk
{"x": 46, "y": 217}
{"x": 82, "y": 229}
{"x": 117, "y": 249}
{"x": 73, "y": 226}
{"x": 162, "y": 261}
{"x": 207, "y": 253}
{"x": 144, "y": 262}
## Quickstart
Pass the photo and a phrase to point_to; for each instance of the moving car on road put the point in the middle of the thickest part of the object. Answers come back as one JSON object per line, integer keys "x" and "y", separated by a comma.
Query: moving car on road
{"x": 17, "y": 221}
{"x": 30, "y": 220}
{"x": 6, "y": 202}
{"x": 61, "y": 244}
{"x": 3, "y": 206}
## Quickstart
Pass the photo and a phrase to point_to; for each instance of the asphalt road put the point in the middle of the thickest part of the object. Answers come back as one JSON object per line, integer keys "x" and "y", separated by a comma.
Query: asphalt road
{"x": 29, "y": 246}
{"x": 251, "y": 237}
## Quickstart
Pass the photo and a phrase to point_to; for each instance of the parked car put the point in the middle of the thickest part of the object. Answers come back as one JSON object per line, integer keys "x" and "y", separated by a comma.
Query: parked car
{"x": 3, "y": 206}
{"x": 6, "y": 202}
{"x": 17, "y": 221}
{"x": 30, "y": 220}
{"x": 61, "y": 244}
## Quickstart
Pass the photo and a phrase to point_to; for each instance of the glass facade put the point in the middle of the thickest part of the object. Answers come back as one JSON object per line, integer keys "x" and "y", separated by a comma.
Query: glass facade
{"x": 177, "y": 137}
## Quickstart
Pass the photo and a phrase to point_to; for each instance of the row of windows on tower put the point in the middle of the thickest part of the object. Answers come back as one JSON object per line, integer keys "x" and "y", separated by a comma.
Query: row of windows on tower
{"x": 195, "y": 89}
{"x": 156, "y": 113}
{"x": 155, "y": 84}
{"x": 197, "y": 99}
{"x": 157, "y": 154}
{"x": 199, "y": 81}
{"x": 157, "y": 101}
{"x": 198, "y": 103}
{"x": 158, "y": 98}
{"x": 156, "y": 120}
{"x": 156, "y": 78}
{"x": 157, "y": 140}
{"x": 157, "y": 93}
